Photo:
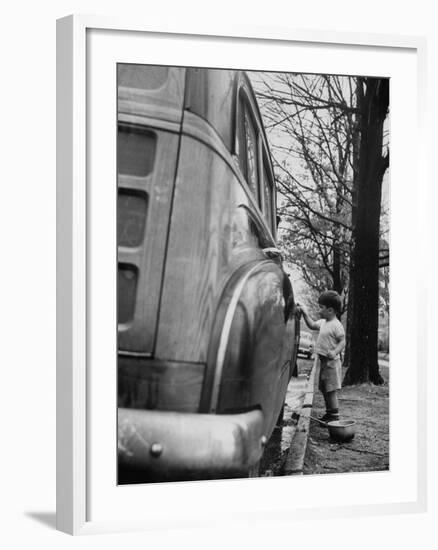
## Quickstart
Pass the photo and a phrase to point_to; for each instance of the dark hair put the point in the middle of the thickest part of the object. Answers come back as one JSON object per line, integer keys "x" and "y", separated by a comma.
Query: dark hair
{"x": 331, "y": 298}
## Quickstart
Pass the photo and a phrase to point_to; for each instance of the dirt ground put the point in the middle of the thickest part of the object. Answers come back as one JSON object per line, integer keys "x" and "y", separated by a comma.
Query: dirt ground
{"x": 368, "y": 405}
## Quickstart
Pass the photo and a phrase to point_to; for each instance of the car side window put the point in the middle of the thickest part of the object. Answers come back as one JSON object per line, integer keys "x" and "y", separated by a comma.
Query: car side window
{"x": 267, "y": 194}
{"x": 248, "y": 147}
{"x": 251, "y": 152}
{"x": 253, "y": 160}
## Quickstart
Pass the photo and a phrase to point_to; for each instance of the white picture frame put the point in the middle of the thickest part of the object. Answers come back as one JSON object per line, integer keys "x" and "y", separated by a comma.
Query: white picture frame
{"x": 78, "y": 344}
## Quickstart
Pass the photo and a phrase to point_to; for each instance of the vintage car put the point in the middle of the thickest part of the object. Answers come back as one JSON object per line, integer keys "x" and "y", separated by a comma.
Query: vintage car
{"x": 207, "y": 330}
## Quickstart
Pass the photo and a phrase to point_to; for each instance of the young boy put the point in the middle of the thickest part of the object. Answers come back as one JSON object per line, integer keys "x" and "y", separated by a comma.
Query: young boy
{"x": 330, "y": 343}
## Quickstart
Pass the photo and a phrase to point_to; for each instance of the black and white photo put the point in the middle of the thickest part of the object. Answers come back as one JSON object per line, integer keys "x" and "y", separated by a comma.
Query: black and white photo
{"x": 253, "y": 253}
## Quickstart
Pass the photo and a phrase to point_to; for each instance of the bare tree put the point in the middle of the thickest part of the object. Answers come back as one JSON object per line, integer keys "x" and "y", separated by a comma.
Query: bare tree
{"x": 311, "y": 122}
{"x": 328, "y": 141}
{"x": 362, "y": 325}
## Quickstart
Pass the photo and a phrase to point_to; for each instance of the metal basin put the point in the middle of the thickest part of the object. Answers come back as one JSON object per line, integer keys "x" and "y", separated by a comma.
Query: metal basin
{"x": 341, "y": 430}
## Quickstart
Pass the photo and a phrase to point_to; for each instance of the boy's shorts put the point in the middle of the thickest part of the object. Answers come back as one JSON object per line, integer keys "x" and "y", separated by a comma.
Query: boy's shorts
{"x": 330, "y": 374}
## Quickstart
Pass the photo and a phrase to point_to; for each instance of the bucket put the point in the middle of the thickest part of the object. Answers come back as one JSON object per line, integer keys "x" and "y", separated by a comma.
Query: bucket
{"x": 341, "y": 430}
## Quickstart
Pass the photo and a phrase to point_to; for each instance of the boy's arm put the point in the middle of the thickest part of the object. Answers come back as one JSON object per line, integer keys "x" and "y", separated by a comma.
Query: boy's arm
{"x": 337, "y": 350}
{"x": 309, "y": 321}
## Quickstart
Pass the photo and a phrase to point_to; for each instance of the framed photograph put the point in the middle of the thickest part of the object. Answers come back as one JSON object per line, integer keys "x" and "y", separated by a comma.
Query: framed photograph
{"x": 234, "y": 211}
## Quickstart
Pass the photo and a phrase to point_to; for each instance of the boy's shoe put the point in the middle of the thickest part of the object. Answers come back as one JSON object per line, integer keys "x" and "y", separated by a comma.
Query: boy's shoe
{"x": 329, "y": 417}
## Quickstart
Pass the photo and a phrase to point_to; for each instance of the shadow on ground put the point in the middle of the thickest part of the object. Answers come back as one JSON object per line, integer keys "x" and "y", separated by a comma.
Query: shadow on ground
{"x": 46, "y": 518}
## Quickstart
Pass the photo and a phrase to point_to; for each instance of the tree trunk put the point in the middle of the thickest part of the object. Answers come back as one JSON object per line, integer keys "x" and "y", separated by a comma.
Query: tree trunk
{"x": 364, "y": 278}
{"x": 337, "y": 282}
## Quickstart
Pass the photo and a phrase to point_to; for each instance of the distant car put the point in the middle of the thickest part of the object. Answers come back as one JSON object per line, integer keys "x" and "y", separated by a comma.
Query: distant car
{"x": 305, "y": 346}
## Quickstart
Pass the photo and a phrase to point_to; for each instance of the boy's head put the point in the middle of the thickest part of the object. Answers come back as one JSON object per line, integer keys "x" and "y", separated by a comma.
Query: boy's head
{"x": 330, "y": 300}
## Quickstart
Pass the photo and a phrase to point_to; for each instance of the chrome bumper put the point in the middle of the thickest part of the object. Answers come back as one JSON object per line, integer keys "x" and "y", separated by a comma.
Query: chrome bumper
{"x": 173, "y": 444}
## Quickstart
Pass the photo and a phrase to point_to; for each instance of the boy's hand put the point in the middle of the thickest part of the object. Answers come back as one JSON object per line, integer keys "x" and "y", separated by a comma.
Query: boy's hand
{"x": 331, "y": 355}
